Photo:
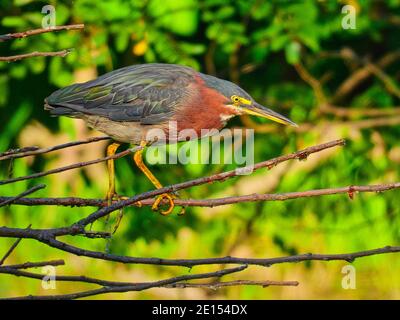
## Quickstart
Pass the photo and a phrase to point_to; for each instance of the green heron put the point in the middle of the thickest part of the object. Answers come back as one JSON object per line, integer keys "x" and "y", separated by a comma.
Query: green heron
{"x": 127, "y": 103}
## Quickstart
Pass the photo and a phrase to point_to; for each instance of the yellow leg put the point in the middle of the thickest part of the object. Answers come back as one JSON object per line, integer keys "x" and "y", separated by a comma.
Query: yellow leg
{"x": 111, "y": 150}
{"x": 111, "y": 194}
{"x": 138, "y": 158}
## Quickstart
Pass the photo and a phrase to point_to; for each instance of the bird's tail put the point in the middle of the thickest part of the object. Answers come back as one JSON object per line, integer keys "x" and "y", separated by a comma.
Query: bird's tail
{"x": 61, "y": 110}
{"x": 57, "y": 110}
{"x": 63, "y": 102}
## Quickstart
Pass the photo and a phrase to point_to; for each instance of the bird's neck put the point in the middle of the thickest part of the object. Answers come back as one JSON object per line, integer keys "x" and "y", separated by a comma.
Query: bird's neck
{"x": 205, "y": 108}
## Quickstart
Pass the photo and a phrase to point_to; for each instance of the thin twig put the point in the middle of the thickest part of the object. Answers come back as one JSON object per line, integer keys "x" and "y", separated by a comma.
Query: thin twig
{"x": 28, "y": 265}
{"x": 373, "y": 122}
{"x": 218, "y": 285}
{"x": 19, "y": 150}
{"x": 14, "y": 271}
{"x": 388, "y": 82}
{"x": 359, "y": 112}
{"x": 31, "y": 151}
{"x": 61, "y": 53}
{"x": 28, "y": 33}
{"x": 362, "y": 74}
{"x": 95, "y": 234}
{"x": 10, "y": 250}
{"x": 313, "y": 82}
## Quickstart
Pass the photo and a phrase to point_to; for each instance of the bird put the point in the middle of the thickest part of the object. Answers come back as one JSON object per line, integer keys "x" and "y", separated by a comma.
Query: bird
{"x": 127, "y": 103}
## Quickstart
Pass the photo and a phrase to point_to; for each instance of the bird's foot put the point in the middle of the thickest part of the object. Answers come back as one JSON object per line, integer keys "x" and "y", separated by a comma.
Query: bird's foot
{"x": 170, "y": 197}
{"x": 111, "y": 197}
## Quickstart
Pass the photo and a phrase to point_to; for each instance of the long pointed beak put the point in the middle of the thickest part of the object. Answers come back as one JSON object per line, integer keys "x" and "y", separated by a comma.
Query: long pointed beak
{"x": 257, "y": 109}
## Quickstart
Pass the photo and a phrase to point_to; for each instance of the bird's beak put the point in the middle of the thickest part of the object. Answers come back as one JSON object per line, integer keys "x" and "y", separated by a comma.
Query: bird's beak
{"x": 257, "y": 109}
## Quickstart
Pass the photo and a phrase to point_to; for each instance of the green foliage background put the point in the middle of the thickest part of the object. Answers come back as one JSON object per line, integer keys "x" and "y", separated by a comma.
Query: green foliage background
{"x": 259, "y": 44}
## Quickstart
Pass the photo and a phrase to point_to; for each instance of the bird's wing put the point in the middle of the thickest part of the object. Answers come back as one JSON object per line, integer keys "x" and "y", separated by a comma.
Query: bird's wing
{"x": 144, "y": 93}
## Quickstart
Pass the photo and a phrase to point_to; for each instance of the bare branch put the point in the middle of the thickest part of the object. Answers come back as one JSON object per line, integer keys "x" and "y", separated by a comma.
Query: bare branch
{"x": 266, "y": 262}
{"x": 84, "y": 202}
{"x": 14, "y": 271}
{"x": 18, "y": 150}
{"x": 61, "y": 53}
{"x": 373, "y": 122}
{"x": 9, "y": 251}
{"x": 47, "y": 236}
{"x": 388, "y": 82}
{"x": 95, "y": 234}
{"x": 10, "y": 200}
{"x": 349, "y": 112}
{"x": 19, "y": 35}
{"x": 28, "y": 265}
{"x": 28, "y": 33}
{"x": 313, "y": 82}
{"x": 218, "y": 285}
{"x": 362, "y": 74}
{"x": 32, "y": 151}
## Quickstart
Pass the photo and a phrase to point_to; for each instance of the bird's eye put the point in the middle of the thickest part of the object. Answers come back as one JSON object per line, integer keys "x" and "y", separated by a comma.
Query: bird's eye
{"x": 235, "y": 99}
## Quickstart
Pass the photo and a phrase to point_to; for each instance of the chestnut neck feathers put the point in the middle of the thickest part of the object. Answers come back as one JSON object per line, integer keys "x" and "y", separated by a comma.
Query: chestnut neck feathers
{"x": 205, "y": 108}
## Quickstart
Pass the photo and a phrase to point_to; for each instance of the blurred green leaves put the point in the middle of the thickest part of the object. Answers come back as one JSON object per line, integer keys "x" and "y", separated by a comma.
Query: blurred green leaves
{"x": 292, "y": 52}
{"x": 179, "y": 17}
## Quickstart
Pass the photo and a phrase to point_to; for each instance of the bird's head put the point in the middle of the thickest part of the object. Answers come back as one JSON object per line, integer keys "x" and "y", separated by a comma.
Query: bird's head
{"x": 240, "y": 102}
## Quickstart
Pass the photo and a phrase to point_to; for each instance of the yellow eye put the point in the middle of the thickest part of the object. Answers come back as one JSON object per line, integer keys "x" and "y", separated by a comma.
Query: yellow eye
{"x": 235, "y": 99}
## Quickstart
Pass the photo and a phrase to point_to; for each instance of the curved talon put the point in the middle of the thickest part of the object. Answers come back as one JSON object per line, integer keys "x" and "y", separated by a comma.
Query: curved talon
{"x": 110, "y": 197}
{"x": 115, "y": 197}
{"x": 139, "y": 204}
{"x": 138, "y": 158}
{"x": 156, "y": 203}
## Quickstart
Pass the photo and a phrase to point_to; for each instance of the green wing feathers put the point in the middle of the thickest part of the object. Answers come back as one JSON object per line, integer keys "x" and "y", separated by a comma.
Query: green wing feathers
{"x": 144, "y": 93}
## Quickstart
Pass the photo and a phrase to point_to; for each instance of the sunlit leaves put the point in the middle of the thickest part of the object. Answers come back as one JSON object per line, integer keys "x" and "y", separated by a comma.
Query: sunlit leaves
{"x": 292, "y": 52}
{"x": 180, "y": 17}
